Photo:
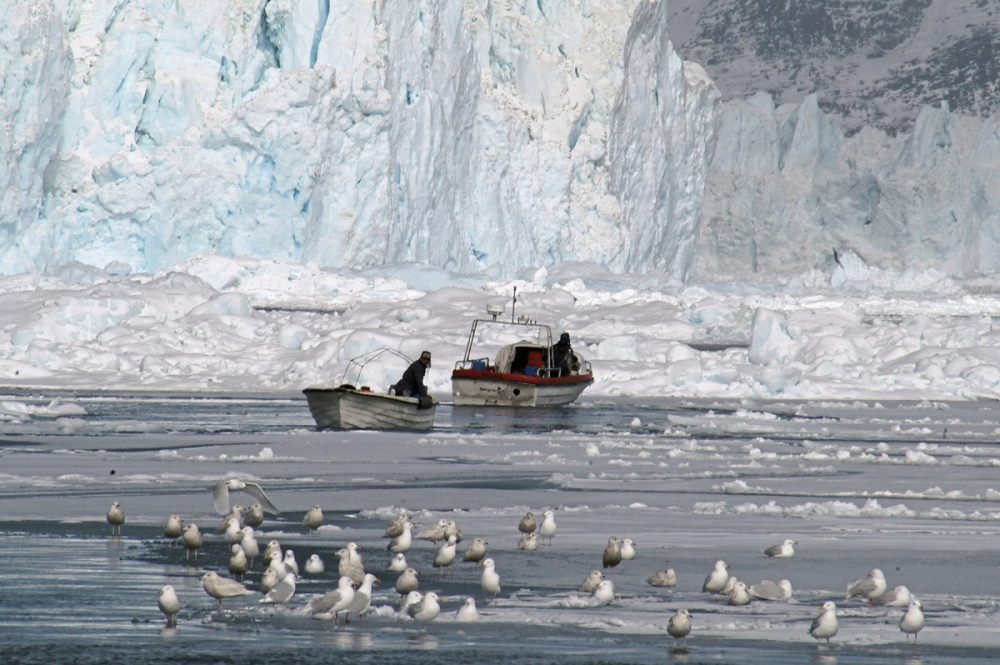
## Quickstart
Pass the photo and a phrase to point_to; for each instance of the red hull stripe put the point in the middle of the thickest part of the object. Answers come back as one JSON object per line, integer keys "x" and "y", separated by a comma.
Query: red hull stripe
{"x": 484, "y": 375}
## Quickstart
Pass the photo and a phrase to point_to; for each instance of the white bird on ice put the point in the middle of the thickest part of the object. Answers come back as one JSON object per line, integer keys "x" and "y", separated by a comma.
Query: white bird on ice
{"x": 783, "y": 550}
{"x": 547, "y": 529}
{"x": 825, "y": 625}
{"x": 739, "y": 595}
{"x": 403, "y": 541}
{"x": 281, "y": 592}
{"x": 116, "y": 518}
{"x": 446, "y": 554}
{"x": 476, "y": 550}
{"x": 407, "y": 581}
{"x": 314, "y": 565}
{"x": 468, "y": 612}
{"x": 900, "y": 596}
{"x": 769, "y": 590}
{"x": 435, "y": 533}
{"x": 604, "y": 594}
{"x": 528, "y": 542}
{"x": 679, "y": 625}
{"x": 913, "y": 620}
{"x": 490, "y": 580}
{"x": 313, "y": 518}
{"x": 628, "y": 549}
{"x": 169, "y": 604}
{"x": 332, "y": 603}
{"x": 869, "y": 587}
{"x": 192, "y": 540}
{"x": 362, "y": 598}
{"x": 174, "y": 527}
{"x": 716, "y": 580}
{"x": 249, "y": 544}
{"x": 427, "y": 610}
{"x": 238, "y": 562}
{"x": 221, "y": 588}
{"x": 398, "y": 563}
{"x": 591, "y": 581}
{"x": 667, "y": 577}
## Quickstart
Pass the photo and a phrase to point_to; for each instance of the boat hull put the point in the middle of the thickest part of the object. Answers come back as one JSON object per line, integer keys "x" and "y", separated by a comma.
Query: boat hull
{"x": 479, "y": 388}
{"x": 347, "y": 408}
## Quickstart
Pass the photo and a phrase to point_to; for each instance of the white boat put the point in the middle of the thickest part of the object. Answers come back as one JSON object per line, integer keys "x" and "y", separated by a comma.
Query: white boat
{"x": 522, "y": 374}
{"x": 351, "y": 407}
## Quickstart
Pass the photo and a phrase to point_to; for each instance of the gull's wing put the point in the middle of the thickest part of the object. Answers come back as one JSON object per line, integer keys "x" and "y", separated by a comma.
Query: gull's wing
{"x": 228, "y": 587}
{"x": 324, "y": 603}
{"x": 767, "y": 590}
{"x": 258, "y": 491}
{"x": 282, "y": 592}
{"x": 861, "y": 587}
{"x": 773, "y": 550}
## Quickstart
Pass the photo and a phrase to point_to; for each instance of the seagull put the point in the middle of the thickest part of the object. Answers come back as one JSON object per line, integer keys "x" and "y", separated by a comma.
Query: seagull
{"x": 898, "y": 597}
{"x": 527, "y": 523}
{"x": 468, "y": 612}
{"x": 612, "y": 553}
{"x": 235, "y": 514}
{"x": 868, "y": 587}
{"x": 451, "y": 529}
{"x": 403, "y": 541}
{"x": 192, "y": 540}
{"x": 604, "y": 594}
{"x": 268, "y": 579}
{"x": 427, "y": 610}
{"x": 913, "y": 620}
{"x": 332, "y": 603}
{"x": 663, "y": 578}
{"x": 116, "y": 518}
{"x": 407, "y": 581}
{"x": 272, "y": 551}
{"x": 249, "y": 544}
{"x": 490, "y": 580}
{"x": 313, "y": 518}
{"x": 739, "y": 595}
{"x": 290, "y": 562}
{"x": 435, "y": 533}
{"x": 174, "y": 527}
{"x": 238, "y": 563}
{"x": 409, "y": 600}
{"x": 350, "y": 567}
{"x": 254, "y": 516}
{"x": 716, "y": 580}
{"x": 680, "y": 624}
{"x": 221, "y": 588}
{"x": 547, "y": 529}
{"x": 398, "y": 563}
{"x": 446, "y": 555}
{"x": 222, "y": 489}
{"x": 234, "y": 532}
{"x": 768, "y": 590}
{"x": 279, "y": 567}
{"x": 314, "y": 565}
{"x": 528, "y": 542}
{"x": 281, "y": 592}
{"x": 591, "y": 581}
{"x": 169, "y": 604}
{"x": 476, "y": 551}
{"x": 825, "y": 625}
{"x": 730, "y": 584}
{"x": 628, "y": 549}
{"x": 362, "y": 598}
{"x": 784, "y": 550}
{"x": 396, "y": 526}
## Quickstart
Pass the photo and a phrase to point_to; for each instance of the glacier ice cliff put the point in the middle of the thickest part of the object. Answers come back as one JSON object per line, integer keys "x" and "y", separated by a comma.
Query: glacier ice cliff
{"x": 467, "y": 135}
{"x": 463, "y": 134}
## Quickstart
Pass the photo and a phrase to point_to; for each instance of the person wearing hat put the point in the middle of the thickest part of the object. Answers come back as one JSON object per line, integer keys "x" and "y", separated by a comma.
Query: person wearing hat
{"x": 412, "y": 383}
{"x": 562, "y": 354}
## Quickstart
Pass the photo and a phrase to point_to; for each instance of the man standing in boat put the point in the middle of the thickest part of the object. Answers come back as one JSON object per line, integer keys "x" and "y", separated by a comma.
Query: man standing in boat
{"x": 412, "y": 383}
{"x": 562, "y": 355}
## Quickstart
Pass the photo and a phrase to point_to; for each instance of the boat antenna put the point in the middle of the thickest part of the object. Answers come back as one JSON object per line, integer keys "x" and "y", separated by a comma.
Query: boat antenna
{"x": 513, "y": 306}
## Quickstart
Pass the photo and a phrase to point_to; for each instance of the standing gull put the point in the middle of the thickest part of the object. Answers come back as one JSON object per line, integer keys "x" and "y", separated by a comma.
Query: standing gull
{"x": 174, "y": 527}
{"x": 281, "y": 592}
{"x": 913, "y": 620}
{"x": 221, "y": 588}
{"x": 268, "y": 579}
{"x": 628, "y": 549}
{"x": 313, "y": 518}
{"x": 408, "y": 601}
{"x": 825, "y": 625}
{"x": 490, "y": 580}
{"x": 716, "y": 580}
{"x": 403, "y": 541}
{"x": 435, "y": 533}
{"x": 395, "y": 527}
{"x": 192, "y": 540}
{"x": 783, "y": 550}
{"x": 591, "y": 581}
{"x": 612, "y": 553}
{"x": 679, "y": 625}
{"x": 249, "y": 544}
{"x": 116, "y": 518}
{"x": 362, "y": 598}
{"x": 527, "y": 523}
{"x": 547, "y": 529}
{"x": 222, "y": 489}
{"x": 446, "y": 555}
{"x": 351, "y": 564}
{"x": 332, "y": 603}
{"x": 476, "y": 550}
{"x": 169, "y": 604}
{"x": 238, "y": 562}
{"x": 870, "y": 587}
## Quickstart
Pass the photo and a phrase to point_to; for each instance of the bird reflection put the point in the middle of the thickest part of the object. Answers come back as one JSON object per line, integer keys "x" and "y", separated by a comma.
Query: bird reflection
{"x": 680, "y": 655}
{"x": 425, "y": 642}
{"x": 913, "y": 660}
{"x": 826, "y": 659}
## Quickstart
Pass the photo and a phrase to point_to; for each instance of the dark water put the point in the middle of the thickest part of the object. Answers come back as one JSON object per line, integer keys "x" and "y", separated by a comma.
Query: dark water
{"x": 71, "y": 594}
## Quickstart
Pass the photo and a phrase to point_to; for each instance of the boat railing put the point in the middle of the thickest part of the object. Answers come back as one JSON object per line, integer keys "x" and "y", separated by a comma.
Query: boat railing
{"x": 477, "y": 364}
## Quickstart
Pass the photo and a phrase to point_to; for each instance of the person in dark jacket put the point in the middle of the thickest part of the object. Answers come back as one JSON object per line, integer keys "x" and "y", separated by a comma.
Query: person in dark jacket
{"x": 562, "y": 354}
{"x": 412, "y": 383}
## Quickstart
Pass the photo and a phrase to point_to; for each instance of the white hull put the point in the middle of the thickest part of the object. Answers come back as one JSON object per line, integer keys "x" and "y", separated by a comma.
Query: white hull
{"x": 346, "y": 408}
{"x": 487, "y": 392}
